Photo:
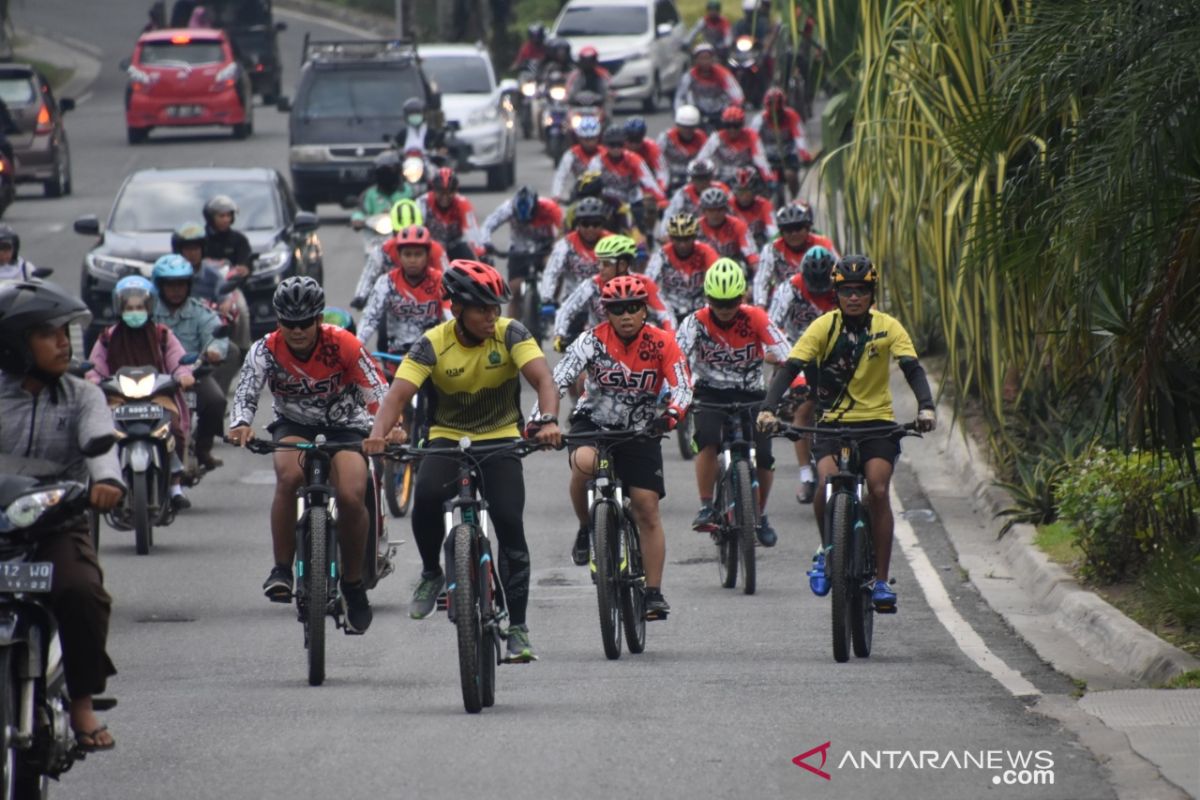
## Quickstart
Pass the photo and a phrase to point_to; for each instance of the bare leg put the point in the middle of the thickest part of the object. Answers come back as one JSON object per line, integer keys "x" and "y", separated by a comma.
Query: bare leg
{"x": 288, "y": 479}
{"x": 825, "y": 467}
{"x": 706, "y": 470}
{"x": 350, "y": 478}
{"x": 583, "y": 467}
{"x": 879, "y": 476}
{"x": 654, "y": 543}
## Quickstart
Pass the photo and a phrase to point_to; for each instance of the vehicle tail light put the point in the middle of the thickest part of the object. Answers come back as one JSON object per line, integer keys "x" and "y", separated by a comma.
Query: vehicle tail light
{"x": 226, "y": 78}
{"x": 181, "y": 38}
{"x": 138, "y": 79}
{"x": 45, "y": 125}
{"x": 259, "y": 67}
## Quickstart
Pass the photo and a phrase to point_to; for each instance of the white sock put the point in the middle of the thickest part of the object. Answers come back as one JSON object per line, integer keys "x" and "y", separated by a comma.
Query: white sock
{"x": 176, "y": 490}
{"x": 806, "y": 474}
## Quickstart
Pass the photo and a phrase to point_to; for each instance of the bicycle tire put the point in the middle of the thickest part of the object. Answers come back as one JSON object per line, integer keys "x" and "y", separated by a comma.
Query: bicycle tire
{"x": 683, "y": 437}
{"x": 532, "y": 309}
{"x": 727, "y": 551}
{"x": 465, "y": 597}
{"x": 607, "y": 554}
{"x": 139, "y": 501}
{"x": 633, "y": 591}
{"x": 862, "y": 611}
{"x": 839, "y": 576}
{"x": 489, "y": 654}
{"x": 745, "y": 517}
{"x": 316, "y": 576}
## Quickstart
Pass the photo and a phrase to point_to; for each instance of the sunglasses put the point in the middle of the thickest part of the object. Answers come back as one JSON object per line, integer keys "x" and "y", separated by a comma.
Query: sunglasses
{"x": 796, "y": 229}
{"x": 628, "y": 307}
{"x": 590, "y": 223}
{"x": 297, "y": 324}
{"x": 725, "y": 304}
{"x": 853, "y": 291}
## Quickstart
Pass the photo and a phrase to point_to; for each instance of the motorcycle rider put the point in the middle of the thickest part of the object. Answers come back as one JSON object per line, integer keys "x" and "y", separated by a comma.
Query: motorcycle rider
{"x": 450, "y": 216}
{"x": 752, "y": 208}
{"x": 409, "y": 296}
{"x": 324, "y": 382}
{"x": 708, "y": 86}
{"x": 626, "y": 175}
{"x": 188, "y": 241}
{"x": 782, "y": 125}
{"x": 46, "y": 413}
{"x": 573, "y": 259}
{"x": 533, "y": 49}
{"x": 222, "y": 242}
{"x": 727, "y": 234}
{"x": 701, "y": 176}
{"x": 536, "y": 223}
{"x": 380, "y": 196}
{"x": 417, "y": 134}
{"x": 636, "y": 142}
{"x": 575, "y": 161}
{"x": 405, "y": 213}
{"x": 680, "y": 264}
{"x": 194, "y": 325}
{"x": 714, "y": 27}
{"x": 558, "y": 59}
{"x": 781, "y": 259}
{"x": 589, "y": 76}
{"x": 735, "y": 145}
{"x": 679, "y": 145}
{"x": 12, "y": 266}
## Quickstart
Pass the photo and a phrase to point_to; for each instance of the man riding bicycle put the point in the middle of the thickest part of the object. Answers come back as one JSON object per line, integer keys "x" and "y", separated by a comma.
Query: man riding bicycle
{"x": 781, "y": 259}
{"x": 473, "y": 363}
{"x": 324, "y": 382}
{"x": 408, "y": 297}
{"x": 450, "y": 216}
{"x": 844, "y": 355}
{"x": 386, "y": 255}
{"x": 680, "y": 264}
{"x": 536, "y": 223}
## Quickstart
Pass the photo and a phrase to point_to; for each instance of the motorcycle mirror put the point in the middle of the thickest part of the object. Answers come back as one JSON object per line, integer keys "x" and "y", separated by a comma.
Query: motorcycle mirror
{"x": 305, "y": 222}
{"x": 41, "y": 273}
{"x": 66, "y": 104}
{"x": 231, "y": 285}
{"x": 663, "y": 30}
{"x": 283, "y": 103}
{"x": 79, "y": 369}
{"x": 98, "y": 446}
{"x": 87, "y": 225}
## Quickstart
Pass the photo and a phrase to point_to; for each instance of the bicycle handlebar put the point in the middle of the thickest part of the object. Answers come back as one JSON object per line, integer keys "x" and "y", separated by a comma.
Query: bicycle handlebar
{"x": 794, "y": 432}
{"x": 615, "y": 434}
{"x": 731, "y": 407}
{"x": 262, "y": 447}
{"x": 408, "y": 452}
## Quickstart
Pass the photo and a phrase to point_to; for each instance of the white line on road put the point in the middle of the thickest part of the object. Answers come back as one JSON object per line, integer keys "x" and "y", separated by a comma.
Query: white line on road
{"x": 328, "y": 23}
{"x": 964, "y": 635}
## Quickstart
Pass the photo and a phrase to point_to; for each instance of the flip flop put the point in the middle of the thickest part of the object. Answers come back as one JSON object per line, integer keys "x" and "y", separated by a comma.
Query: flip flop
{"x": 81, "y": 736}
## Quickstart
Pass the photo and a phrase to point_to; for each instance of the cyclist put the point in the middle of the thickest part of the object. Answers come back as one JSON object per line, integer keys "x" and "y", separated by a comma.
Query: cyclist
{"x": 751, "y": 208}
{"x": 625, "y": 174}
{"x": 735, "y": 145}
{"x": 616, "y": 254}
{"x": 405, "y": 213}
{"x": 782, "y": 128}
{"x": 450, "y": 217}
{"x": 409, "y": 296}
{"x": 714, "y": 27}
{"x": 591, "y": 184}
{"x": 195, "y": 325}
{"x": 701, "y": 177}
{"x": 536, "y": 225}
{"x": 681, "y": 144}
{"x": 781, "y": 259}
{"x": 221, "y": 241}
{"x": 726, "y": 343}
{"x": 324, "y": 382}
{"x": 844, "y": 354}
{"x": 12, "y": 266}
{"x": 575, "y": 161}
{"x": 708, "y": 85}
{"x": 379, "y": 197}
{"x": 629, "y": 365}
{"x": 679, "y": 265}
{"x": 648, "y": 149}
{"x": 727, "y": 234}
{"x": 473, "y": 363}
{"x": 573, "y": 258}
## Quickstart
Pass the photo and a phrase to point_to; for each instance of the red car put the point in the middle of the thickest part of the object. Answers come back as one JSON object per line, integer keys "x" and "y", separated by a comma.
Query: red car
{"x": 186, "y": 77}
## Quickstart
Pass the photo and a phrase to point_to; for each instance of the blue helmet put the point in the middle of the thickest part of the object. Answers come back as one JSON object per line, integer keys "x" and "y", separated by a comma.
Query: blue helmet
{"x": 134, "y": 286}
{"x": 171, "y": 267}
{"x": 525, "y": 203}
{"x": 635, "y": 127}
{"x": 588, "y": 128}
{"x": 817, "y": 267}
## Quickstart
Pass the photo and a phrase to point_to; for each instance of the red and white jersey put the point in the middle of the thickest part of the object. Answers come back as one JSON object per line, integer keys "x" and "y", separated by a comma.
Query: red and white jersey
{"x": 573, "y": 163}
{"x": 339, "y": 385}
{"x": 448, "y": 225}
{"x": 681, "y": 279}
{"x": 409, "y": 309}
{"x": 788, "y": 132}
{"x": 710, "y": 92}
{"x": 625, "y": 379}
{"x": 571, "y": 262}
{"x": 794, "y": 307}
{"x": 651, "y": 153}
{"x": 730, "y": 239}
{"x": 587, "y": 296}
{"x": 779, "y": 262}
{"x": 730, "y": 356}
{"x": 628, "y": 178}
{"x": 386, "y": 256}
{"x": 543, "y": 228}
{"x": 686, "y": 200}
{"x": 759, "y": 217}
{"x": 676, "y": 153}
{"x": 731, "y": 150}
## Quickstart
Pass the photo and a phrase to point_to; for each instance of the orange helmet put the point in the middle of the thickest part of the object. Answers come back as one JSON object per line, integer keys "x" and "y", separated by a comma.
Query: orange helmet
{"x": 622, "y": 289}
{"x": 474, "y": 283}
{"x": 413, "y": 236}
{"x": 733, "y": 117}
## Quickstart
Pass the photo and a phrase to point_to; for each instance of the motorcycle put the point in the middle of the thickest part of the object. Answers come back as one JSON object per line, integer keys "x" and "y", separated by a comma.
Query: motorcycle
{"x": 528, "y": 83}
{"x": 585, "y": 104}
{"x": 224, "y": 295}
{"x": 746, "y": 64}
{"x": 35, "y": 730}
{"x": 554, "y": 119}
{"x": 192, "y": 471}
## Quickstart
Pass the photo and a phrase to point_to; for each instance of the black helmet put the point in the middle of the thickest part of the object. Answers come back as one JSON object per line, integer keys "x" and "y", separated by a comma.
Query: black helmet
{"x": 413, "y": 105}
{"x": 221, "y": 204}
{"x": 537, "y": 32}
{"x": 591, "y": 208}
{"x": 701, "y": 168}
{"x": 614, "y": 136}
{"x": 298, "y": 298}
{"x": 7, "y": 234}
{"x": 188, "y": 233}
{"x": 25, "y": 305}
{"x": 794, "y": 214}
{"x": 855, "y": 269}
{"x": 560, "y": 46}
{"x": 714, "y": 197}
{"x": 817, "y": 267}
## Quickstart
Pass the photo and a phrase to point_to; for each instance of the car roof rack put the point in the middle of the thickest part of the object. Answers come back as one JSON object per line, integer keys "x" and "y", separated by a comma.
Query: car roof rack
{"x": 332, "y": 50}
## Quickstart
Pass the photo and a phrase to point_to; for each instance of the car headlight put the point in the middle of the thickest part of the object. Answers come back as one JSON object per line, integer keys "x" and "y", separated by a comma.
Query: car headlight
{"x": 136, "y": 388}
{"x": 483, "y": 116}
{"x": 117, "y": 267}
{"x": 308, "y": 154}
{"x": 272, "y": 260}
{"x": 25, "y": 511}
{"x": 558, "y": 93}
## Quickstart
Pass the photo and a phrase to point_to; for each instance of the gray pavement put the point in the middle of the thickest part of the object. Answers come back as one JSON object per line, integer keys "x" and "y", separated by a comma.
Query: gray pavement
{"x": 729, "y": 691}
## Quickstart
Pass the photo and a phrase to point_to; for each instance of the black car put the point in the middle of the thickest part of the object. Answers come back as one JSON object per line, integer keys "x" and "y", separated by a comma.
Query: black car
{"x": 152, "y": 203}
{"x": 254, "y": 33}
{"x": 348, "y": 102}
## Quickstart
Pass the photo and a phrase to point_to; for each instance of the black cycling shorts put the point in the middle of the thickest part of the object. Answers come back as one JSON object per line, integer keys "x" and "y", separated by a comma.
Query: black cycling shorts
{"x": 520, "y": 264}
{"x": 639, "y": 463}
{"x": 887, "y": 448}
{"x": 709, "y": 423}
{"x": 282, "y": 428}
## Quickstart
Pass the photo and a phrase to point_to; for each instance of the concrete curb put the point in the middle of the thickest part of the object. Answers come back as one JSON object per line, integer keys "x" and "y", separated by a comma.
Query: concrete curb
{"x": 374, "y": 23}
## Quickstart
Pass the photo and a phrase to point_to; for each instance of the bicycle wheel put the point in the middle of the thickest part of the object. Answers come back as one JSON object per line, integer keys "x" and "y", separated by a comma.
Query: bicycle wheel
{"x": 397, "y": 487}
{"x": 727, "y": 546}
{"x": 683, "y": 436}
{"x": 633, "y": 590}
{"x": 842, "y": 584}
{"x": 745, "y": 517}
{"x": 608, "y": 553}
{"x": 489, "y": 653}
{"x": 531, "y": 309}
{"x": 464, "y": 594}
{"x": 862, "y": 611}
{"x": 316, "y": 579}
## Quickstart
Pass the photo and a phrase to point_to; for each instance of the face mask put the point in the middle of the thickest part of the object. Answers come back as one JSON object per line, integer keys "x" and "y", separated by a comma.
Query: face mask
{"x": 135, "y": 319}
{"x": 415, "y": 120}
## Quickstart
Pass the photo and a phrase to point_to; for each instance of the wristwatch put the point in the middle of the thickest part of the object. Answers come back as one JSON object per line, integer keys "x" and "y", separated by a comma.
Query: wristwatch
{"x": 545, "y": 419}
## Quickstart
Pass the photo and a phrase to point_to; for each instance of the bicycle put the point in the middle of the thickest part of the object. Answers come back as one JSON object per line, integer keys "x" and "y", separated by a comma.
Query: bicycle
{"x": 398, "y": 477}
{"x": 475, "y": 596}
{"x": 847, "y": 539}
{"x": 317, "y": 569}
{"x": 537, "y": 316}
{"x": 616, "y": 547}
{"x": 735, "y": 495}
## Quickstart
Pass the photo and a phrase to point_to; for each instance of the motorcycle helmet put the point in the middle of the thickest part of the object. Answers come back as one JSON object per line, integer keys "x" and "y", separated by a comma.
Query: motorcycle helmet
{"x": 714, "y": 197}
{"x": 171, "y": 267}
{"x": 623, "y": 289}
{"x": 614, "y": 137}
{"x": 536, "y": 32}
{"x": 132, "y": 286}
{"x": 7, "y": 234}
{"x": 817, "y": 267}
{"x": 221, "y": 204}
{"x": 387, "y": 170}
{"x": 683, "y": 226}
{"x": 473, "y": 283}
{"x": 588, "y": 128}
{"x": 724, "y": 280}
{"x": 406, "y": 212}
{"x": 559, "y": 49}
{"x": 701, "y": 168}
{"x": 794, "y": 215}
{"x": 687, "y": 117}
{"x": 298, "y": 298}
{"x": 26, "y": 305}
{"x": 588, "y": 57}
{"x": 635, "y": 129}
{"x": 444, "y": 179}
{"x": 616, "y": 246}
{"x": 855, "y": 270}
{"x": 525, "y": 203}
{"x": 413, "y": 105}
{"x": 189, "y": 233}
{"x": 733, "y": 117}
{"x": 592, "y": 208}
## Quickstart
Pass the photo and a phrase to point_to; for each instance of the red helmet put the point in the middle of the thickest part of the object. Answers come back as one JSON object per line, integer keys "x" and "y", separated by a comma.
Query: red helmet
{"x": 745, "y": 178}
{"x": 444, "y": 178}
{"x": 623, "y": 288}
{"x": 474, "y": 283}
{"x": 773, "y": 100}
{"x": 413, "y": 236}
{"x": 734, "y": 116}
{"x": 589, "y": 54}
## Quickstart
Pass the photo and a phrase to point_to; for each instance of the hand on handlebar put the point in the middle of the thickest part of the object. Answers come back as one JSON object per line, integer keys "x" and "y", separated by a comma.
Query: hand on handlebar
{"x": 186, "y": 381}
{"x": 105, "y": 496}
{"x": 666, "y": 422}
{"x": 397, "y": 435}
{"x": 240, "y": 435}
{"x": 549, "y": 435}
{"x": 373, "y": 445}
{"x": 767, "y": 422}
{"x": 926, "y": 420}
{"x": 358, "y": 303}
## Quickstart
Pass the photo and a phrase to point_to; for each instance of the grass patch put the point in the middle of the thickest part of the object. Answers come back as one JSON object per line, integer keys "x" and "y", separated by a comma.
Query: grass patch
{"x": 1058, "y": 541}
{"x": 1185, "y": 680}
{"x": 58, "y": 76}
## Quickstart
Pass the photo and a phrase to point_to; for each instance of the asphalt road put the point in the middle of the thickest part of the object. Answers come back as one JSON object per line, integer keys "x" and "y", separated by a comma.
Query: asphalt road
{"x": 213, "y": 697}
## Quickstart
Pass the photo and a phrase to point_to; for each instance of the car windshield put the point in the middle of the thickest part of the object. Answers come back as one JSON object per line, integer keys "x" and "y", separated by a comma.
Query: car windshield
{"x": 238, "y": 13}
{"x": 604, "y": 21}
{"x": 192, "y": 51}
{"x": 458, "y": 74}
{"x": 360, "y": 94}
{"x": 164, "y": 205}
{"x": 17, "y": 90}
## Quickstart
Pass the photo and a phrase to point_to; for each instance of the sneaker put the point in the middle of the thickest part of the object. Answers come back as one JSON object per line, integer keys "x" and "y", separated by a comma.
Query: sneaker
{"x": 657, "y": 606}
{"x": 818, "y": 581}
{"x": 520, "y": 651}
{"x": 766, "y": 534}
{"x": 883, "y": 596}
{"x": 424, "y": 599}
{"x": 278, "y": 585}
{"x": 180, "y": 501}
{"x": 356, "y": 609}
{"x": 706, "y": 520}
{"x": 581, "y": 552}
{"x": 804, "y": 494}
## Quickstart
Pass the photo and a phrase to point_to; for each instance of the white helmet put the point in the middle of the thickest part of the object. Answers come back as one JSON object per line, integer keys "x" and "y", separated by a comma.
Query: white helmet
{"x": 688, "y": 116}
{"x": 748, "y": 6}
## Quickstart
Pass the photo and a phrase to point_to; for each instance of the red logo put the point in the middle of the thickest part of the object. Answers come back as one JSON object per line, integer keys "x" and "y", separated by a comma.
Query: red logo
{"x": 823, "y": 749}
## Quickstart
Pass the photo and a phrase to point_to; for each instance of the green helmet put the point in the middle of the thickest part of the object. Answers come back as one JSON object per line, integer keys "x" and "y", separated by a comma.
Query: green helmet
{"x": 724, "y": 280}
{"x": 406, "y": 213}
{"x": 616, "y": 246}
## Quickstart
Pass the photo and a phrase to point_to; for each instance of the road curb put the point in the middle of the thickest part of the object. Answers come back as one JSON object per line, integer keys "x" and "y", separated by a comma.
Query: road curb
{"x": 373, "y": 23}
{"x": 61, "y": 52}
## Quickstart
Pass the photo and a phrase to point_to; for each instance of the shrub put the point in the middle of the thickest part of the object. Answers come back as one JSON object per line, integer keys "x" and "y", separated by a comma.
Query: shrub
{"x": 1171, "y": 585}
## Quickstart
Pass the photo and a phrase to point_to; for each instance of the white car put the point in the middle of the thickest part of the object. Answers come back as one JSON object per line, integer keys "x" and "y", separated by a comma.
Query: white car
{"x": 641, "y": 42}
{"x": 483, "y": 110}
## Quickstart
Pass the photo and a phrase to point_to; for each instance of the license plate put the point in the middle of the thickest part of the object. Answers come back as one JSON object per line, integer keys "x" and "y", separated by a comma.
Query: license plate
{"x": 356, "y": 173}
{"x": 184, "y": 111}
{"x": 138, "y": 411}
{"x": 28, "y": 576}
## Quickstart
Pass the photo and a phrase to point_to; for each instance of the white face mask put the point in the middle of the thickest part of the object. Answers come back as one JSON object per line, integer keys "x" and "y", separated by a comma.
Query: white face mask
{"x": 415, "y": 120}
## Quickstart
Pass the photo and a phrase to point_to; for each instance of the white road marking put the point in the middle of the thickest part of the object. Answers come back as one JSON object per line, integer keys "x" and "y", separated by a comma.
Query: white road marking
{"x": 964, "y": 635}
{"x": 328, "y": 23}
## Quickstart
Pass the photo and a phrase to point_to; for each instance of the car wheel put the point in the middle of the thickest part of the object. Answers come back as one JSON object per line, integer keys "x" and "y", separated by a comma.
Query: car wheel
{"x": 496, "y": 177}
{"x": 136, "y": 135}
{"x": 650, "y": 104}
{"x": 511, "y": 173}
{"x": 60, "y": 184}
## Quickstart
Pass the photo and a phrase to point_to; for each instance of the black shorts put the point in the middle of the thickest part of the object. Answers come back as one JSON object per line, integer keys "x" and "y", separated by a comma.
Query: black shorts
{"x": 520, "y": 264}
{"x": 887, "y": 448}
{"x": 638, "y": 463}
{"x": 709, "y": 423}
{"x": 281, "y": 428}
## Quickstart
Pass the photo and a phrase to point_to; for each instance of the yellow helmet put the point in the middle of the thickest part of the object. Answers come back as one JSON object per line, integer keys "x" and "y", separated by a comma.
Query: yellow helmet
{"x": 683, "y": 225}
{"x": 724, "y": 280}
{"x": 405, "y": 214}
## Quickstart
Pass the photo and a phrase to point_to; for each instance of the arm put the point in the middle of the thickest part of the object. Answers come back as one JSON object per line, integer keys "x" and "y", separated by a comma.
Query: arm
{"x": 762, "y": 277}
{"x": 99, "y": 359}
{"x": 709, "y": 148}
{"x": 371, "y": 272}
{"x": 576, "y": 301}
{"x": 208, "y": 327}
{"x": 683, "y": 89}
{"x": 250, "y": 384}
{"x": 780, "y": 301}
{"x": 537, "y": 373}
{"x": 374, "y": 311}
{"x": 500, "y": 216}
{"x": 174, "y": 353}
{"x": 747, "y": 248}
{"x": 558, "y": 186}
{"x": 733, "y": 89}
{"x": 914, "y": 373}
{"x": 759, "y": 156}
{"x": 470, "y": 224}
{"x": 413, "y": 371}
{"x": 95, "y": 420}
{"x": 677, "y": 379}
{"x": 783, "y": 378}
{"x": 655, "y": 266}
{"x": 649, "y": 183}
{"x": 774, "y": 343}
{"x": 555, "y": 265}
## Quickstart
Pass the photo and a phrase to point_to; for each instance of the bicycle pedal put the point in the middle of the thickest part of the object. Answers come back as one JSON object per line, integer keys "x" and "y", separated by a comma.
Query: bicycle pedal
{"x": 443, "y": 601}
{"x": 885, "y": 608}
{"x": 656, "y": 616}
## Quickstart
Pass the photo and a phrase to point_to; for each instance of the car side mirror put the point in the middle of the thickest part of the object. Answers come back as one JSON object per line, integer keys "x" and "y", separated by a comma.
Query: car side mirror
{"x": 87, "y": 225}
{"x": 280, "y": 26}
{"x": 123, "y": 64}
{"x": 98, "y": 445}
{"x": 663, "y": 30}
{"x": 66, "y": 104}
{"x": 305, "y": 222}
{"x": 283, "y": 103}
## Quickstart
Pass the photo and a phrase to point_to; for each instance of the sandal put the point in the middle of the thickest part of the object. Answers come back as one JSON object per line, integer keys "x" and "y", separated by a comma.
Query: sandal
{"x": 87, "y": 741}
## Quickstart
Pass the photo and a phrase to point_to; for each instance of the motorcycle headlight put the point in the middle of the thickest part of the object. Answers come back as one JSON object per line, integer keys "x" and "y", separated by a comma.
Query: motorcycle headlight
{"x": 528, "y": 88}
{"x": 136, "y": 388}
{"x": 558, "y": 93}
{"x": 27, "y": 510}
{"x": 272, "y": 260}
{"x": 112, "y": 265}
{"x": 413, "y": 169}
{"x": 744, "y": 44}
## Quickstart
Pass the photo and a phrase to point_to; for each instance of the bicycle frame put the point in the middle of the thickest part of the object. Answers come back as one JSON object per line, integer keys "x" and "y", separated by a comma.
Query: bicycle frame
{"x": 731, "y": 538}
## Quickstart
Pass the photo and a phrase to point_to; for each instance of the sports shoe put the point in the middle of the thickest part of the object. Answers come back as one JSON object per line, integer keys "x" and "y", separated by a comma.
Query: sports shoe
{"x": 278, "y": 585}
{"x": 706, "y": 520}
{"x": 424, "y": 598}
{"x": 356, "y": 609}
{"x": 818, "y": 581}
{"x": 883, "y": 597}
{"x": 766, "y": 534}
{"x": 180, "y": 501}
{"x": 520, "y": 651}
{"x": 804, "y": 494}
{"x": 657, "y": 606}
{"x": 581, "y": 551}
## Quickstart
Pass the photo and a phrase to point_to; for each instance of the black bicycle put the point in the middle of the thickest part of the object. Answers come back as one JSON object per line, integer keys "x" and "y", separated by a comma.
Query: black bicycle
{"x": 616, "y": 546}
{"x": 400, "y": 476}
{"x": 537, "y": 316}
{"x": 735, "y": 495}
{"x": 850, "y": 551}
{"x": 475, "y": 595}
